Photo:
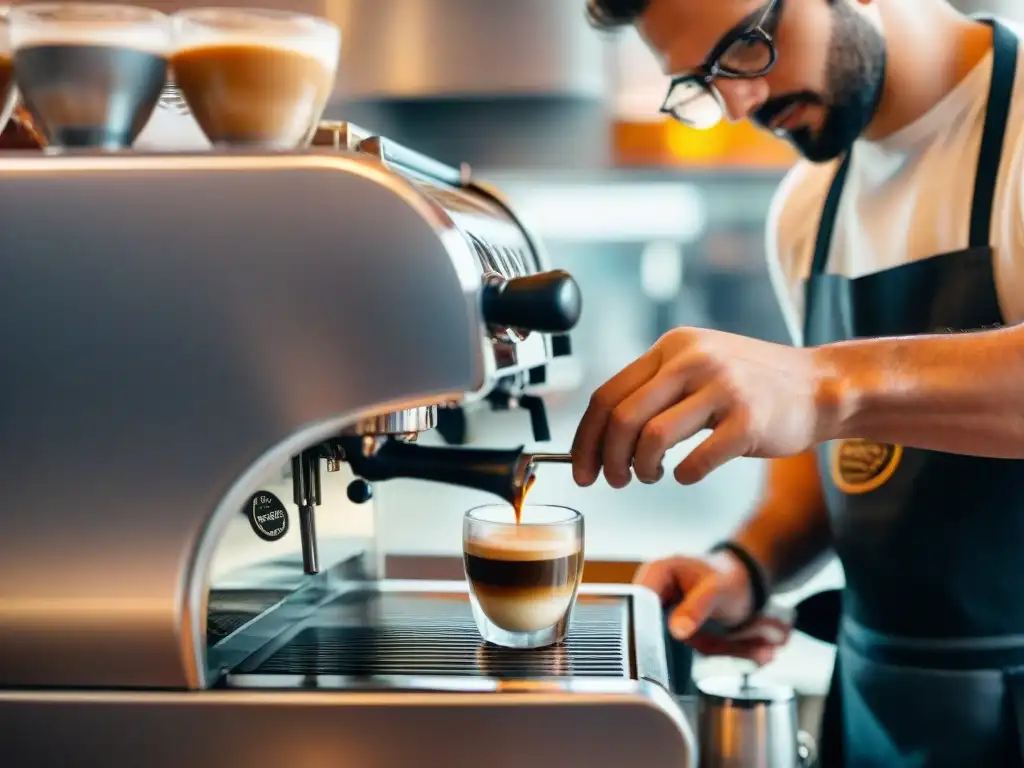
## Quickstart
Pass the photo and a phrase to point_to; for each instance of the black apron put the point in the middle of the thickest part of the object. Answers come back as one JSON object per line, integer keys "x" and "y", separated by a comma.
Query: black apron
{"x": 930, "y": 659}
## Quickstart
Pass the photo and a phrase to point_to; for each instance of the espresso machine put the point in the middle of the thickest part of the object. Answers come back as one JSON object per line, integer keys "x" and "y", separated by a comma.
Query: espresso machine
{"x": 181, "y": 333}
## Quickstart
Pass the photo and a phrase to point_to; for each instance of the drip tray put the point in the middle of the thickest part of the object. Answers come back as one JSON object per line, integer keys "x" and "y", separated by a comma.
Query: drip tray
{"x": 232, "y": 609}
{"x": 401, "y": 633}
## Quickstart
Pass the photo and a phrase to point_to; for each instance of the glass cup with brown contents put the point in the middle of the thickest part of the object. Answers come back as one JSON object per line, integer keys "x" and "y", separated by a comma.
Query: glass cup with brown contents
{"x": 8, "y": 91}
{"x": 523, "y": 577}
{"x": 255, "y": 78}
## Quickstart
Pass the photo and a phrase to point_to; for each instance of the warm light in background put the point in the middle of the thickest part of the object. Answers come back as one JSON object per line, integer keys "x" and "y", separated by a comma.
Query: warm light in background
{"x": 668, "y": 143}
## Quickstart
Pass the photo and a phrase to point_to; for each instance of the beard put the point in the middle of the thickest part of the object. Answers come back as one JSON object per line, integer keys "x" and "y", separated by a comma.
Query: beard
{"x": 855, "y": 72}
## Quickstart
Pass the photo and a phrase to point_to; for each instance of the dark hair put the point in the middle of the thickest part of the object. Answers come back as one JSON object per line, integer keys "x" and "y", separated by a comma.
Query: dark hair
{"x": 610, "y": 14}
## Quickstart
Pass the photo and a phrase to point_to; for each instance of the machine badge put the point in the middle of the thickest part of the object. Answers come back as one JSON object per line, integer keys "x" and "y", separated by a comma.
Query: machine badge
{"x": 860, "y": 466}
{"x": 267, "y": 516}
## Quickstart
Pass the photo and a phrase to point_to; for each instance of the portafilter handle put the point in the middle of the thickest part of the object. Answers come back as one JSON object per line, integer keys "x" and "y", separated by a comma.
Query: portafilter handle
{"x": 503, "y": 473}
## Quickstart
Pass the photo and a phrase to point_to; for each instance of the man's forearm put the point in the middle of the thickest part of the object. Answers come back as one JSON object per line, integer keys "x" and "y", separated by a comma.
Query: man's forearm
{"x": 789, "y": 530}
{"x": 959, "y": 393}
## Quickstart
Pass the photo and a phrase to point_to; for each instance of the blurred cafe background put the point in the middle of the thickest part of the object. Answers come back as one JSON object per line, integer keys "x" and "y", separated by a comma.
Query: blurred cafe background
{"x": 662, "y": 226}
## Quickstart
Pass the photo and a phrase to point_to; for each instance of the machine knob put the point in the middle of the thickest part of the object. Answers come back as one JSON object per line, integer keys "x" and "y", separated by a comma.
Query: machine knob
{"x": 359, "y": 492}
{"x": 549, "y": 302}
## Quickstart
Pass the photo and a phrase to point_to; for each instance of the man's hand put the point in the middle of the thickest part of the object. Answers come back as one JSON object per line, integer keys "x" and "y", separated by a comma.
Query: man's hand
{"x": 760, "y": 399}
{"x": 713, "y": 588}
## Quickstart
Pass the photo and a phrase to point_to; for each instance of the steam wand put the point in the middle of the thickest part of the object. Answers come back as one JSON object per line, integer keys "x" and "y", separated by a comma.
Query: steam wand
{"x": 306, "y": 486}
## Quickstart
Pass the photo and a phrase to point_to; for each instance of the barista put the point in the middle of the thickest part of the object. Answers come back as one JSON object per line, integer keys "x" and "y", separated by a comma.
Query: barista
{"x": 892, "y": 441}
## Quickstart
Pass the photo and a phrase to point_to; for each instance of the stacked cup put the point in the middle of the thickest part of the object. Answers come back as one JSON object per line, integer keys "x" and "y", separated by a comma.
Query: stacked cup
{"x": 255, "y": 78}
{"x": 91, "y": 74}
{"x": 8, "y": 91}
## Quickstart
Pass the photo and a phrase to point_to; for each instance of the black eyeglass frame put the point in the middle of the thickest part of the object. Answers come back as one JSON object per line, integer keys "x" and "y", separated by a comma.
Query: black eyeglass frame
{"x": 712, "y": 67}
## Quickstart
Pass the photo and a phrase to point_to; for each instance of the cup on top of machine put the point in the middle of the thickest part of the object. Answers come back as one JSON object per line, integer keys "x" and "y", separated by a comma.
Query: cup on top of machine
{"x": 8, "y": 91}
{"x": 89, "y": 73}
{"x": 523, "y": 577}
{"x": 257, "y": 78}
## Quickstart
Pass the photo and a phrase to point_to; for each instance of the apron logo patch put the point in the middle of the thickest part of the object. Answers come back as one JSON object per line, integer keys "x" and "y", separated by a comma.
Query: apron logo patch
{"x": 860, "y": 466}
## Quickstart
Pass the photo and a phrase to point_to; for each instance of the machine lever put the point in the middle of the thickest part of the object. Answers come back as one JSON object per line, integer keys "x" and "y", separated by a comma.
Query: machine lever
{"x": 549, "y": 302}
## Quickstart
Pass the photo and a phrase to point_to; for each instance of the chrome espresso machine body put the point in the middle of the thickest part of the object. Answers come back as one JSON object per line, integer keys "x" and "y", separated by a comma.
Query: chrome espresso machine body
{"x": 176, "y": 329}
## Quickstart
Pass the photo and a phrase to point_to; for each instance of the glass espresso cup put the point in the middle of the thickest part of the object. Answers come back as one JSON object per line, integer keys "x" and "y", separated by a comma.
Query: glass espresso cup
{"x": 90, "y": 74}
{"x": 523, "y": 577}
{"x": 255, "y": 78}
{"x": 8, "y": 91}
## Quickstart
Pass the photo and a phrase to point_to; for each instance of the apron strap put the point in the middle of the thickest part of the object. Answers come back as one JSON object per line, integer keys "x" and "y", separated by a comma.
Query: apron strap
{"x": 1004, "y": 70}
{"x": 1000, "y": 97}
{"x": 823, "y": 243}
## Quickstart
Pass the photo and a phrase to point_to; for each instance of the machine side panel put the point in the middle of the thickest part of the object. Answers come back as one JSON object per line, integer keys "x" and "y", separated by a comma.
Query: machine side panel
{"x": 603, "y": 730}
{"x": 164, "y": 333}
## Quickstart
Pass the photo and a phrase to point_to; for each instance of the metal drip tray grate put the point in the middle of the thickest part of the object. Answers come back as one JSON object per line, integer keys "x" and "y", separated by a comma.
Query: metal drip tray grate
{"x": 434, "y": 635}
{"x": 230, "y": 609}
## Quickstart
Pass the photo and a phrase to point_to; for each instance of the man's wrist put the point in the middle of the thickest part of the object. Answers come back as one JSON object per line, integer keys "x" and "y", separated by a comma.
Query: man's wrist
{"x": 745, "y": 582}
{"x": 852, "y": 383}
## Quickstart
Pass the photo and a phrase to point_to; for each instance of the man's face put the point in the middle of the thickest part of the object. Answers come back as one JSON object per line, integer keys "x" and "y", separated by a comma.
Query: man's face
{"x": 822, "y": 92}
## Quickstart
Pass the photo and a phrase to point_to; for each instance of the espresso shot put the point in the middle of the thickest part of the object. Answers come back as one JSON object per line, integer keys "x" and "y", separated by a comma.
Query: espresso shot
{"x": 523, "y": 576}
{"x": 255, "y": 78}
{"x": 523, "y": 581}
{"x": 255, "y": 95}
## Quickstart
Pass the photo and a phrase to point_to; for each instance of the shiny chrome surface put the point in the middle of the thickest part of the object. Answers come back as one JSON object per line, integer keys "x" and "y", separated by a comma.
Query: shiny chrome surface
{"x": 810, "y": 708}
{"x": 741, "y": 724}
{"x": 397, "y": 422}
{"x": 394, "y": 49}
{"x": 182, "y": 365}
{"x": 550, "y": 458}
{"x": 639, "y": 724}
{"x": 339, "y": 135}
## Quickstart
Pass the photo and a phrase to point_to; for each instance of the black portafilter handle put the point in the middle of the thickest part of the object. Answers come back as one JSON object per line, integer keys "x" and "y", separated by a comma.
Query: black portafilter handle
{"x": 503, "y": 473}
{"x": 548, "y": 302}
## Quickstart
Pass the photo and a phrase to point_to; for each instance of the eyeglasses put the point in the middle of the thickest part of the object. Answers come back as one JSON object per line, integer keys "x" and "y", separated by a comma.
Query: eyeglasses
{"x": 742, "y": 54}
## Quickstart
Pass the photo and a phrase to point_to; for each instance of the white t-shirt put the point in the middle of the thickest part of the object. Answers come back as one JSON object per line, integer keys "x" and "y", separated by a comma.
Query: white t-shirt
{"x": 906, "y": 198}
